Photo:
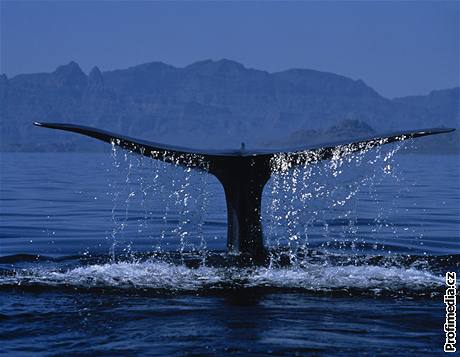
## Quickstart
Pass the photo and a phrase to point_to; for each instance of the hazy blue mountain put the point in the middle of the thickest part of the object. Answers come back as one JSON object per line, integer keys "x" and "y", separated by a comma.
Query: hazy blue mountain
{"x": 443, "y": 105}
{"x": 210, "y": 104}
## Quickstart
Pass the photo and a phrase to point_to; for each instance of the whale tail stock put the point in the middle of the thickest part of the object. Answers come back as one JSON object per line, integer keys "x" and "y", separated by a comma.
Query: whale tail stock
{"x": 243, "y": 173}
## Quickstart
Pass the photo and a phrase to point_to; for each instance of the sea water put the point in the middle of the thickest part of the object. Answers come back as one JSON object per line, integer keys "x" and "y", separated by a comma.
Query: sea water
{"x": 113, "y": 253}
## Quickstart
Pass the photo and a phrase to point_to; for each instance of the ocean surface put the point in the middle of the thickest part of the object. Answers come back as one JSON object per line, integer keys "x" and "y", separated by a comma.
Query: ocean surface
{"x": 111, "y": 254}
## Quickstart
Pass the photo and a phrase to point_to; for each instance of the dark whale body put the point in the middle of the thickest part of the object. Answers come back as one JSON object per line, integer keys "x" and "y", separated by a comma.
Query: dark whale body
{"x": 244, "y": 173}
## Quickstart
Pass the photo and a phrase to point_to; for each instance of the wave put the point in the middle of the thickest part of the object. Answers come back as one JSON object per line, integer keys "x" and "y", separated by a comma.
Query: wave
{"x": 375, "y": 276}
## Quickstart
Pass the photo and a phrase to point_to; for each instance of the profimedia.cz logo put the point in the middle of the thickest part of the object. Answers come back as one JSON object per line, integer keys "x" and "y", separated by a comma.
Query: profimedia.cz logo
{"x": 450, "y": 299}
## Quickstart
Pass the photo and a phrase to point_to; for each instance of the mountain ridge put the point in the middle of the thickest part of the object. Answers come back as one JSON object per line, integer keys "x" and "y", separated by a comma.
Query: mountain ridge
{"x": 208, "y": 103}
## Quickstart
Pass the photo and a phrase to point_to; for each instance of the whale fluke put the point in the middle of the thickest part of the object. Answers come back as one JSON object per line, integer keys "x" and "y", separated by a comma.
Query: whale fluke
{"x": 244, "y": 173}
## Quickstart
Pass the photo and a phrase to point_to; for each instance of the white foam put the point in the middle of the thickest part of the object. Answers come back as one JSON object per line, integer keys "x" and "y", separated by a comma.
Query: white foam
{"x": 165, "y": 276}
{"x": 317, "y": 277}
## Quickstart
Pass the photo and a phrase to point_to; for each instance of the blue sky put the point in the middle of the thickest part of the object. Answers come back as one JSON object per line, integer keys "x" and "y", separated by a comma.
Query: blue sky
{"x": 398, "y": 48}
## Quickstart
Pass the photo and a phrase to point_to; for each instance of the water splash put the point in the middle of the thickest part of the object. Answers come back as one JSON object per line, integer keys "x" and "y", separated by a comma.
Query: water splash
{"x": 332, "y": 205}
{"x": 155, "y": 275}
{"x": 148, "y": 194}
{"x": 317, "y": 202}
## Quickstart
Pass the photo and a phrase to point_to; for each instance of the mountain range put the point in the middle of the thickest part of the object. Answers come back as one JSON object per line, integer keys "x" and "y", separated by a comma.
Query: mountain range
{"x": 216, "y": 104}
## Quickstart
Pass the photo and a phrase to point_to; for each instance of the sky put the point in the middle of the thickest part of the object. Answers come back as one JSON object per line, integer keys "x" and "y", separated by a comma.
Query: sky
{"x": 398, "y": 48}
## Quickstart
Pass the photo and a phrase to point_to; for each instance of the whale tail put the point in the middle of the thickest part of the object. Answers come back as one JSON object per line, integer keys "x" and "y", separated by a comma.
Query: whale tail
{"x": 243, "y": 173}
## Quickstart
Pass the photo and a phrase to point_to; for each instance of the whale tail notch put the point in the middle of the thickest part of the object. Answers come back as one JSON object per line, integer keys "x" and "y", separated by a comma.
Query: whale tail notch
{"x": 243, "y": 173}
